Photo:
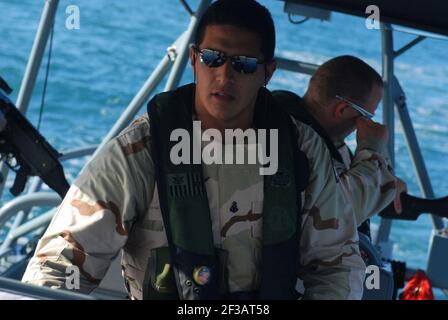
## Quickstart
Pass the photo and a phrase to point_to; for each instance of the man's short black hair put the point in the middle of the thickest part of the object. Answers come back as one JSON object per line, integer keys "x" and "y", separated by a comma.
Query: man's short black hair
{"x": 247, "y": 14}
{"x": 346, "y": 76}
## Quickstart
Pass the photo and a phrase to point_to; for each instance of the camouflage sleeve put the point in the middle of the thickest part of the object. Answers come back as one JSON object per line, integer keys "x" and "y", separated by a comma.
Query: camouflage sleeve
{"x": 369, "y": 184}
{"x": 330, "y": 263}
{"x": 92, "y": 223}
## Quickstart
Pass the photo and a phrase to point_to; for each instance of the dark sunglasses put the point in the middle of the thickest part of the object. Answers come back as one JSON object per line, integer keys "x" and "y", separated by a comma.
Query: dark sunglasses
{"x": 214, "y": 59}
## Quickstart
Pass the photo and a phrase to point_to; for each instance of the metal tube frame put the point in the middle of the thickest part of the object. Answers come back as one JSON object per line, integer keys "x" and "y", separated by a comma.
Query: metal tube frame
{"x": 187, "y": 7}
{"x": 394, "y": 95}
{"x": 409, "y": 46}
{"x": 388, "y": 113}
{"x": 28, "y": 201}
{"x": 182, "y": 58}
{"x": 414, "y": 149}
{"x": 36, "y": 184}
{"x": 36, "y": 55}
{"x": 157, "y": 76}
{"x": 296, "y": 66}
{"x": 19, "y": 289}
{"x": 137, "y": 102}
{"x": 27, "y": 227}
{"x": 23, "y": 203}
{"x": 176, "y": 57}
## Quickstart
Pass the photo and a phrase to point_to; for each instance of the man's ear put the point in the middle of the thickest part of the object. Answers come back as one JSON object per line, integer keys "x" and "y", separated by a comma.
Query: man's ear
{"x": 193, "y": 59}
{"x": 269, "y": 70}
{"x": 340, "y": 110}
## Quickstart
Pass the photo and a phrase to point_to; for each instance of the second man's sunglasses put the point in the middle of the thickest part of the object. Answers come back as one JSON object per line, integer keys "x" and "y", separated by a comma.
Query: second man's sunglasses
{"x": 364, "y": 113}
{"x": 214, "y": 59}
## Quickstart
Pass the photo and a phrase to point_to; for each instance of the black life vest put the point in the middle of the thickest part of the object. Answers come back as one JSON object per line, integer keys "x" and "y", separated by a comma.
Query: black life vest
{"x": 186, "y": 214}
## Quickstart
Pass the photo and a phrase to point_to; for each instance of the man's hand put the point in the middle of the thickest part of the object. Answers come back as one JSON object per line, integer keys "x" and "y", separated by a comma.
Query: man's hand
{"x": 401, "y": 186}
{"x": 368, "y": 129}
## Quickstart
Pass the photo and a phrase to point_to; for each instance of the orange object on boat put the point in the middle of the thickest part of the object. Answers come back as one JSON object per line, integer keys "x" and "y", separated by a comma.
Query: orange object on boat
{"x": 418, "y": 288}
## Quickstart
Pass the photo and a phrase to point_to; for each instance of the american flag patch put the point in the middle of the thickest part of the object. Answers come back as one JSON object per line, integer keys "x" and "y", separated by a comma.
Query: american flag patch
{"x": 182, "y": 185}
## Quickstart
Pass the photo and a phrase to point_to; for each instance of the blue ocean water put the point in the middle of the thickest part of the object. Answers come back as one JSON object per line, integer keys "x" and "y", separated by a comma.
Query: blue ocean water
{"x": 96, "y": 70}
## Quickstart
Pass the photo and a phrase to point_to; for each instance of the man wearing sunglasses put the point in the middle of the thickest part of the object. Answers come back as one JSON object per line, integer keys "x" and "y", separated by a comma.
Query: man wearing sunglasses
{"x": 210, "y": 231}
{"x": 342, "y": 97}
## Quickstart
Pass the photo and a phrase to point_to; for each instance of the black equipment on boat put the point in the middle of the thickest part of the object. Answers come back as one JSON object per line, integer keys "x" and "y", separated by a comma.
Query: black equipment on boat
{"x": 33, "y": 155}
{"x": 412, "y": 207}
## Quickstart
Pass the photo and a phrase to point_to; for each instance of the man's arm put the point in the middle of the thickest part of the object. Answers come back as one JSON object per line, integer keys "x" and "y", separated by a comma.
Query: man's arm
{"x": 92, "y": 223}
{"x": 331, "y": 266}
{"x": 369, "y": 184}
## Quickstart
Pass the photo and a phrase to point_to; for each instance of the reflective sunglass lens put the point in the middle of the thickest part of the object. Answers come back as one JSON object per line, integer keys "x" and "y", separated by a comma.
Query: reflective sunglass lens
{"x": 211, "y": 58}
{"x": 245, "y": 65}
{"x": 241, "y": 64}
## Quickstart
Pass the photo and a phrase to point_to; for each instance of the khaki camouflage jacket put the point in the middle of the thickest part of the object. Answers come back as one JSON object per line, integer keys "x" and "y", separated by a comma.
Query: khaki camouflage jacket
{"x": 113, "y": 206}
{"x": 376, "y": 181}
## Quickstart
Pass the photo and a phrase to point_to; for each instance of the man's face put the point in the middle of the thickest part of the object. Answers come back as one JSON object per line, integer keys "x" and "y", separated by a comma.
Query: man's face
{"x": 225, "y": 97}
{"x": 345, "y": 124}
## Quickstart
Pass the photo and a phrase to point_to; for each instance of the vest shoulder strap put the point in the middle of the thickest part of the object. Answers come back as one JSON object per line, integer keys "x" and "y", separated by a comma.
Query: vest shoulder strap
{"x": 295, "y": 106}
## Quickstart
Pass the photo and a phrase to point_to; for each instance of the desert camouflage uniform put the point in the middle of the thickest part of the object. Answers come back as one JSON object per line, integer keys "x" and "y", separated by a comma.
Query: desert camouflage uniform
{"x": 114, "y": 205}
{"x": 350, "y": 172}
{"x": 375, "y": 179}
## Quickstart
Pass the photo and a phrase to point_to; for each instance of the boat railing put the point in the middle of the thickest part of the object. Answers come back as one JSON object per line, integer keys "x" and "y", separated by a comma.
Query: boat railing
{"x": 15, "y": 290}
{"x": 21, "y": 206}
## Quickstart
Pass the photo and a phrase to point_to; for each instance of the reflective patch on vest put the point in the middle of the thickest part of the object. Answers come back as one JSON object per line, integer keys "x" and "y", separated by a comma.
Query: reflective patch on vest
{"x": 202, "y": 275}
{"x": 182, "y": 185}
{"x": 282, "y": 179}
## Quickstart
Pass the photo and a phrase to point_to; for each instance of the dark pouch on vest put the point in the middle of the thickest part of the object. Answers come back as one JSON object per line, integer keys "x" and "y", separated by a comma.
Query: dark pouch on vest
{"x": 159, "y": 283}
